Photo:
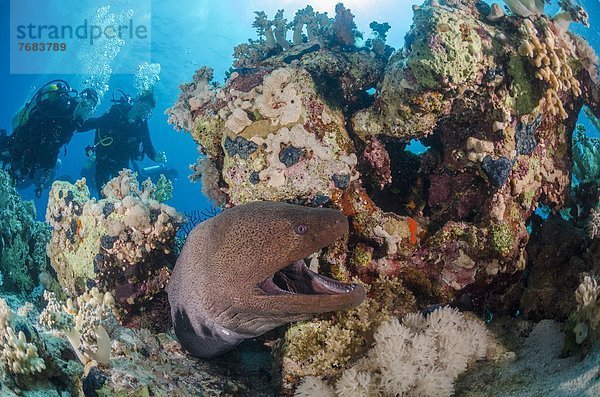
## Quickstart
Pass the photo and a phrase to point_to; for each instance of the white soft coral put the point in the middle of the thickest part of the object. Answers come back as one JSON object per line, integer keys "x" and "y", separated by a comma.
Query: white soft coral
{"x": 422, "y": 356}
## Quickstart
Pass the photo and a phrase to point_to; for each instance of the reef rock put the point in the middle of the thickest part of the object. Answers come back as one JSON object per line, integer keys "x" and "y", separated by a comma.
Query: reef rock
{"x": 494, "y": 98}
{"x": 122, "y": 244}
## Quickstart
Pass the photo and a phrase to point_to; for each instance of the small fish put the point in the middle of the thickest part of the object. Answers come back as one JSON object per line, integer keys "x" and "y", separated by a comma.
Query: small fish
{"x": 413, "y": 226}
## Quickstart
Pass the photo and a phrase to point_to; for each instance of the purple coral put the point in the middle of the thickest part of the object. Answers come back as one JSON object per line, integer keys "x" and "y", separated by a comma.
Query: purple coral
{"x": 525, "y": 136}
{"x": 240, "y": 146}
{"x": 497, "y": 170}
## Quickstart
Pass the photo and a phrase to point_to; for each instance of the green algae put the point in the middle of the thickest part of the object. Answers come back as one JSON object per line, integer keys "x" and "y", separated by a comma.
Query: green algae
{"x": 444, "y": 46}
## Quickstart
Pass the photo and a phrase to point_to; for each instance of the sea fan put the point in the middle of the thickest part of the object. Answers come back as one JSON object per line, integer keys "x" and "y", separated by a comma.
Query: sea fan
{"x": 195, "y": 217}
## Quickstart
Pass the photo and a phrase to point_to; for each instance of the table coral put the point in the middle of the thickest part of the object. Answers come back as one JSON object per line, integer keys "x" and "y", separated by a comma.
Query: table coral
{"x": 122, "y": 243}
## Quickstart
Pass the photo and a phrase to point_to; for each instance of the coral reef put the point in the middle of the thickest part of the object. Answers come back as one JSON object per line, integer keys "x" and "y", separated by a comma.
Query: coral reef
{"x": 286, "y": 112}
{"x": 30, "y": 358}
{"x": 492, "y": 97}
{"x": 46, "y": 362}
{"x": 122, "y": 244}
{"x": 421, "y": 356}
{"x": 312, "y": 114}
{"x": 19, "y": 357}
{"x": 86, "y": 324}
{"x": 324, "y": 347}
{"x": 22, "y": 240}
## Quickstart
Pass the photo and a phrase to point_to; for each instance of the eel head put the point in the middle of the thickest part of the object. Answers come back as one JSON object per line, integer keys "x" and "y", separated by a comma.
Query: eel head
{"x": 244, "y": 272}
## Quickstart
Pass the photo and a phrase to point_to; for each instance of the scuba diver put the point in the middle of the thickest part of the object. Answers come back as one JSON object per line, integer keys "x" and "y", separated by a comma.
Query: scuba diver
{"x": 41, "y": 128}
{"x": 155, "y": 171}
{"x": 122, "y": 136}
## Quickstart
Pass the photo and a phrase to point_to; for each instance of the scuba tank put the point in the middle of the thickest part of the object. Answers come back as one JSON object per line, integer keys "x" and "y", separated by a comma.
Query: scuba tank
{"x": 48, "y": 96}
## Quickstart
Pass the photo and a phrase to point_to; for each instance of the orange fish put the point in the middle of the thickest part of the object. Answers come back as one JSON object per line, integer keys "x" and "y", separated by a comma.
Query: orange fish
{"x": 413, "y": 227}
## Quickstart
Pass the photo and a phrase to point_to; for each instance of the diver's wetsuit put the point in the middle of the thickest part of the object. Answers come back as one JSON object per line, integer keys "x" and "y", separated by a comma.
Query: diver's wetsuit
{"x": 118, "y": 141}
{"x": 31, "y": 151}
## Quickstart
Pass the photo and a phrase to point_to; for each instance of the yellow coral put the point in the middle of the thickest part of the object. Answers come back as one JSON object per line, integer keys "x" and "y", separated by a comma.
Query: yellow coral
{"x": 18, "y": 355}
{"x": 551, "y": 60}
{"x": 323, "y": 347}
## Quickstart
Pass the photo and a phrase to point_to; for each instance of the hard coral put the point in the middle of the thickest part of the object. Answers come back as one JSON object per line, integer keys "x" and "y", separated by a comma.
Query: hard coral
{"x": 122, "y": 243}
{"x": 86, "y": 324}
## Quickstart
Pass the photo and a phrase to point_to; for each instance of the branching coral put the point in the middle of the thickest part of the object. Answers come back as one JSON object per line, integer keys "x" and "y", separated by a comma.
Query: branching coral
{"x": 86, "y": 324}
{"x": 551, "y": 60}
{"x": 18, "y": 356}
{"x": 422, "y": 356}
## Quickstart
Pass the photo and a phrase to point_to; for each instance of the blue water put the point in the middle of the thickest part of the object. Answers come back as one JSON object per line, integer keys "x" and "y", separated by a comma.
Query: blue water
{"x": 186, "y": 35}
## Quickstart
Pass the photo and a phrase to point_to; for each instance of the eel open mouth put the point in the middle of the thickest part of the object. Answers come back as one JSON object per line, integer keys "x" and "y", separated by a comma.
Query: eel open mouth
{"x": 297, "y": 278}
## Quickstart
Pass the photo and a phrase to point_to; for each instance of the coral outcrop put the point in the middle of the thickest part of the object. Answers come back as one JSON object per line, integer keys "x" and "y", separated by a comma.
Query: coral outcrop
{"x": 87, "y": 324}
{"x": 122, "y": 244}
{"x": 493, "y": 98}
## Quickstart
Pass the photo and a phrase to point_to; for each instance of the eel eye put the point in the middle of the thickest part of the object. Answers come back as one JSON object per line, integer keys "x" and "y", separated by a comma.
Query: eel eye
{"x": 301, "y": 229}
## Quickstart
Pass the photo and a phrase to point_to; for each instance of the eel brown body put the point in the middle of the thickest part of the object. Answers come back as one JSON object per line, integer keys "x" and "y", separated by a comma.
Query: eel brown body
{"x": 242, "y": 273}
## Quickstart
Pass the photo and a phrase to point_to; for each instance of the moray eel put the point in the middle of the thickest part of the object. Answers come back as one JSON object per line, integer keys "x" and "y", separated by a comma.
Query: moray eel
{"x": 243, "y": 273}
